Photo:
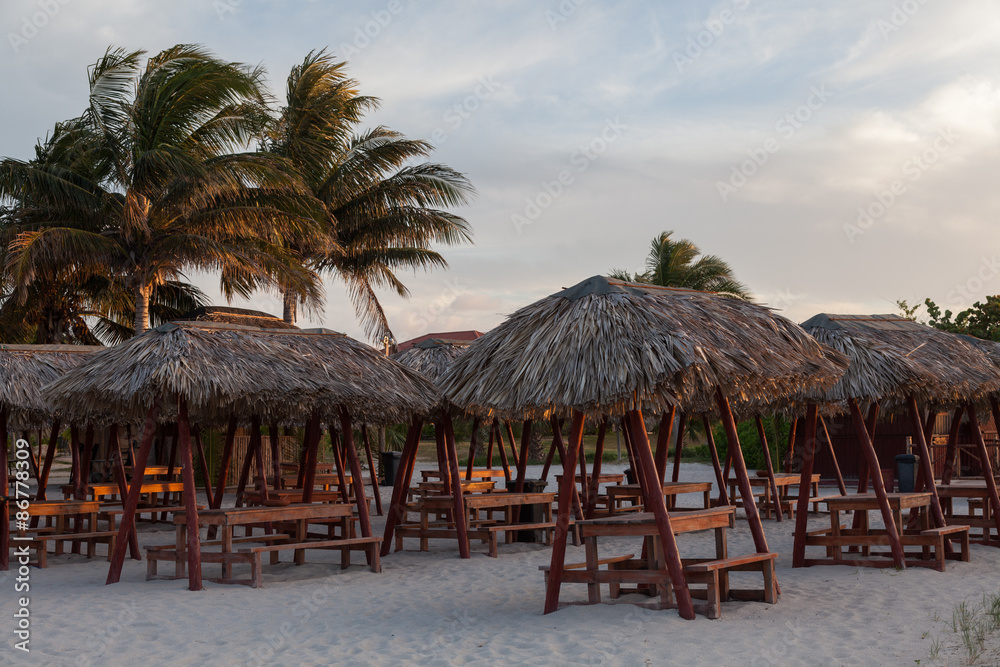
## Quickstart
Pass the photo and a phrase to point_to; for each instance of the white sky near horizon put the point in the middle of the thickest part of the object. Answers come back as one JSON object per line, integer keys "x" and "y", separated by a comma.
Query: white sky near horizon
{"x": 809, "y": 113}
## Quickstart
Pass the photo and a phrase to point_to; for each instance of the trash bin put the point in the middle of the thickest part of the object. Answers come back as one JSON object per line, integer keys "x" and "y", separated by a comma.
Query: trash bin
{"x": 530, "y": 513}
{"x": 906, "y": 472}
{"x": 390, "y": 465}
{"x": 630, "y": 476}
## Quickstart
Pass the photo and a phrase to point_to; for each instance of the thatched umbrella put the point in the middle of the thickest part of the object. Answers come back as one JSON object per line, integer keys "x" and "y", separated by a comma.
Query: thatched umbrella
{"x": 24, "y": 370}
{"x": 208, "y": 373}
{"x": 608, "y": 348}
{"x": 241, "y": 316}
{"x": 895, "y": 363}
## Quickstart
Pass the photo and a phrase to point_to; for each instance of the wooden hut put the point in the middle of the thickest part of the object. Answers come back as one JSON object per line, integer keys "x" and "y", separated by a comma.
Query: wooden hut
{"x": 896, "y": 364}
{"x": 203, "y": 373}
{"x": 24, "y": 370}
{"x": 605, "y": 348}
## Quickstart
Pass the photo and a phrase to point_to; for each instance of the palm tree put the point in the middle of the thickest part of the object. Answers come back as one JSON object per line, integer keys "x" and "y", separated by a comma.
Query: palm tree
{"x": 380, "y": 213}
{"x": 680, "y": 263}
{"x": 147, "y": 184}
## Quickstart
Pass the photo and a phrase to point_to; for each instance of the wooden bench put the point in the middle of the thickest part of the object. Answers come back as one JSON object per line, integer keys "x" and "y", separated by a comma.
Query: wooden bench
{"x": 610, "y": 561}
{"x": 168, "y": 553}
{"x": 370, "y": 545}
{"x": 715, "y": 575}
{"x": 86, "y": 529}
{"x": 509, "y": 528}
{"x": 935, "y": 538}
{"x": 40, "y": 543}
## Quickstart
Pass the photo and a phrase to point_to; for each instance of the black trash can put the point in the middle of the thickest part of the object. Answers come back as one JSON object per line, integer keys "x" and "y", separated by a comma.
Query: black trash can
{"x": 630, "y": 476}
{"x": 390, "y": 466}
{"x": 530, "y": 513}
{"x": 906, "y": 472}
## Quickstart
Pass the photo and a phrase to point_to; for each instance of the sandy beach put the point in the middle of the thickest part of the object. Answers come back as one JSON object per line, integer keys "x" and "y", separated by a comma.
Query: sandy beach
{"x": 434, "y": 608}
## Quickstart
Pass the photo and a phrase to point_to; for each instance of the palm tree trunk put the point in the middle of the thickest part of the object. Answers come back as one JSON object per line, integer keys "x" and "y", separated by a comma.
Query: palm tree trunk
{"x": 291, "y": 307}
{"x": 142, "y": 294}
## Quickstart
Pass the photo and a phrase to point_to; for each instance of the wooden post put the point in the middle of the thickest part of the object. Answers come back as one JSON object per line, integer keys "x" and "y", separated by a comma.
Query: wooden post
{"x": 227, "y": 458}
{"x": 173, "y": 449}
{"x": 489, "y": 449}
{"x": 351, "y": 452}
{"x": 74, "y": 475}
{"x": 679, "y": 446}
{"x": 127, "y": 525}
{"x": 398, "y": 500}
{"x": 314, "y": 432}
{"x": 749, "y": 506}
{"x": 337, "y": 447}
{"x": 456, "y": 488}
{"x": 257, "y": 443}
{"x": 501, "y": 448}
{"x": 949, "y": 452}
{"x": 300, "y": 478}
{"x": 241, "y": 485}
{"x": 50, "y": 453}
{"x": 872, "y": 458}
{"x": 984, "y": 460}
{"x": 275, "y": 439}
{"x": 183, "y": 447}
{"x": 444, "y": 466}
{"x": 513, "y": 445}
{"x": 790, "y": 454}
{"x": 762, "y": 436}
{"x": 833, "y": 455}
{"x": 87, "y": 453}
{"x": 206, "y": 476}
{"x": 473, "y": 441}
{"x": 5, "y": 507}
{"x": 805, "y": 484}
{"x": 713, "y": 450}
{"x": 926, "y": 465}
{"x": 551, "y": 456}
{"x": 565, "y": 500}
{"x": 522, "y": 459}
{"x": 652, "y": 487}
{"x": 595, "y": 470}
{"x": 372, "y": 473}
{"x": 663, "y": 441}
{"x": 119, "y": 473}
{"x": 584, "y": 486}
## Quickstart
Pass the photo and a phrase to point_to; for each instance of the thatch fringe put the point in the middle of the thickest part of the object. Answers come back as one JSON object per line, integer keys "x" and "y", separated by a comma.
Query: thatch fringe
{"x": 24, "y": 370}
{"x": 223, "y": 370}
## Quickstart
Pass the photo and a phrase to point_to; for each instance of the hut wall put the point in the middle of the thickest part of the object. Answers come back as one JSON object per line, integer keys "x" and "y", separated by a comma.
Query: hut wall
{"x": 890, "y": 439}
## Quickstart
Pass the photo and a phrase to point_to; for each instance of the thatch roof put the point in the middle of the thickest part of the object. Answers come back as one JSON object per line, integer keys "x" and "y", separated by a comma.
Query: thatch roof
{"x": 606, "y": 347}
{"x": 241, "y": 316}
{"x": 466, "y": 336}
{"x": 431, "y": 356}
{"x": 223, "y": 370}
{"x": 25, "y": 369}
{"x": 892, "y": 357}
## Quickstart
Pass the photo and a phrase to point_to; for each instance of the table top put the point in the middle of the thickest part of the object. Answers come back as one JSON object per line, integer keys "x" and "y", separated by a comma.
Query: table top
{"x": 603, "y": 478}
{"x": 963, "y": 490}
{"x": 869, "y": 501}
{"x": 669, "y": 488}
{"x": 488, "y": 500}
{"x": 239, "y": 516}
{"x": 476, "y": 474}
{"x": 59, "y": 507}
{"x": 644, "y": 523}
{"x": 148, "y": 486}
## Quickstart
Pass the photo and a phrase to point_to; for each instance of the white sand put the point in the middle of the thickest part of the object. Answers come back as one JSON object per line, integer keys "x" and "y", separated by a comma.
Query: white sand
{"x": 434, "y": 608}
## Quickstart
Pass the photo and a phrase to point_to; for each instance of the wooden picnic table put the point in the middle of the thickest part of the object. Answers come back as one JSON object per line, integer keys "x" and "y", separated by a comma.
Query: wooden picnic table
{"x": 603, "y": 478}
{"x": 928, "y": 539}
{"x": 283, "y": 497}
{"x": 297, "y": 516}
{"x": 976, "y": 493}
{"x": 617, "y": 495}
{"x": 322, "y": 480}
{"x": 159, "y": 473}
{"x": 651, "y": 572}
{"x": 106, "y": 492}
{"x": 783, "y": 481}
{"x": 486, "y": 473}
{"x": 477, "y": 527}
{"x": 57, "y": 515}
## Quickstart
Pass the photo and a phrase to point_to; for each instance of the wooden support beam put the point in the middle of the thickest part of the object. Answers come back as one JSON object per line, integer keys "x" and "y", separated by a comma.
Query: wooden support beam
{"x": 789, "y": 461}
{"x": 868, "y": 448}
{"x": 806, "y": 457}
{"x": 314, "y": 433}
{"x": 206, "y": 475}
{"x": 337, "y": 448}
{"x": 841, "y": 486}
{"x": 275, "y": 439}
{"x": 118, "y": 468}
{"x": 762, "y": 436}
{"x": 522, "y": 459}
{"x": 127, "y": 525}
{"x": 489, "y": 449}
{"x": 227, "y": 458}
{"x": 501, "y": 449}
{"x": 513, "y": 445}
{"x": 551, "y": 456}
{"x": 584, "y": 486}
{"x": 749, "y": 506}
{"x": 595, "y": 470}
{"x": 652, "y": 489}
{"x": 351, "y": 453}
{"x": 372, "y": 471}
{"x": 50, "y": 454}
{"x": 74, "y": 472}
{"x": 183, "y": 447}
{"x": 925, "y": 455}
{"x": 949, "y": 452}
{"x": 456, "y": 488}
{"x": 257, "y": 443}
{"x": 398, "y": 500}
{"x": 713, "y": 450}
{"x": 565, "y": 500}
{"x": 241, "y": 485}
{"x": 473, "y": 441}
{"x": 663, "y": 441}
{"x": 984, "y": 461}
{"x": 679, "y": 447}
{"x": 441, "y": 447}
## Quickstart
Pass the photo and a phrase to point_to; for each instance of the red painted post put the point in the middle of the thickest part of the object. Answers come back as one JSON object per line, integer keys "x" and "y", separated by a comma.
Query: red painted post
{"x": 749, "y": 506}
{"x": 833, "y": 455}
{"x": 227, "y": 459}
{"x": 679, "y": 447}
{"x": 949, "y": 452}
{"x": 595, "y": 470}
{"x": 360, "y": 501}
{"x": 372, "y": 471}
{"x": 473, "y": 441}
{"x": 119, "y": 468}
{"x": 127, "y": 525}
{"x": 562, "y": 514}
{"x": 275, "y": 438}
{"x": 513, "y": 445}
{"x": 402, "y": 483}
{"x": 501, "y": 448}
{"x": 522, "y": 459}
{"x": 936, "y": 513}
{"x": 719, "y": 477}
{"x": 50, "y": 454}
{"x": 183, "y": 447}
{"x": 206, "y": 475}
{"x": 805, "y": 483}
{"x": 456, "y": 488}
{"x": 663, "y": 441}
{"x": 314, "y": 432}
{"x": 762, "y": 436}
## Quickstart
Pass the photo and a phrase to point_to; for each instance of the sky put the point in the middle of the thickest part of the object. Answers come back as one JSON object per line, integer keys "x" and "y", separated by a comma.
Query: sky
{"x": 840, "y": 156}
